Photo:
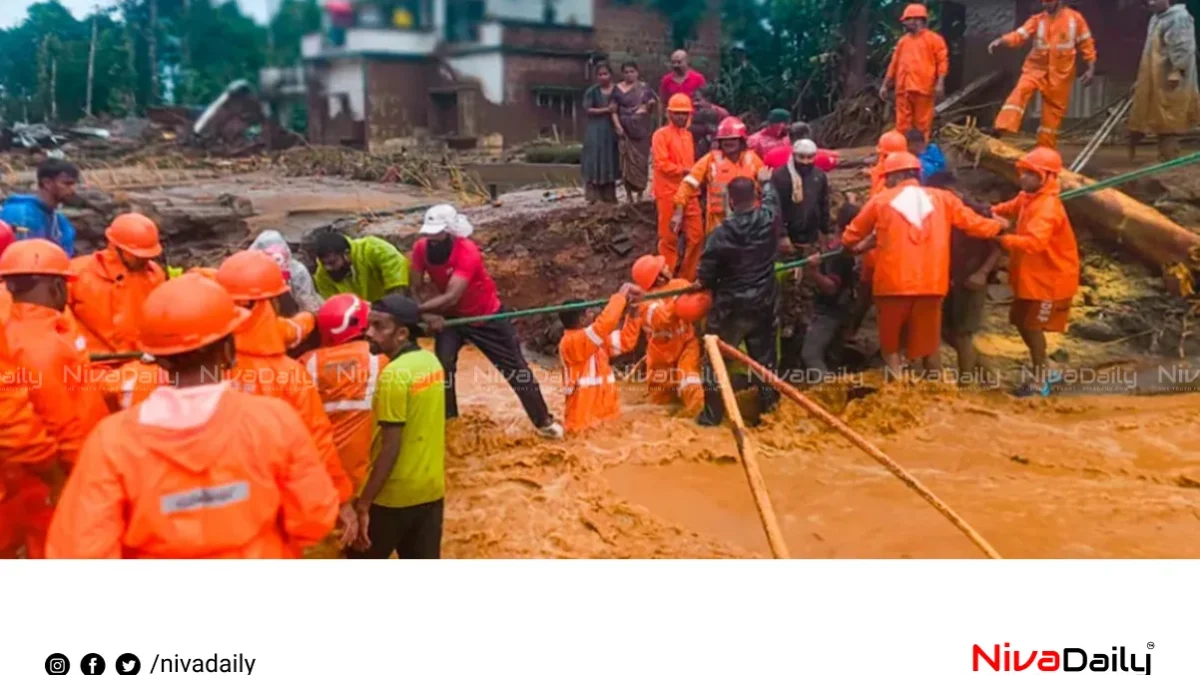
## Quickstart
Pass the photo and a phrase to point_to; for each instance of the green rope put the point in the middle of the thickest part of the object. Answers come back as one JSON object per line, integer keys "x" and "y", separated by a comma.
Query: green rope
{"x": 1131, "y": 176}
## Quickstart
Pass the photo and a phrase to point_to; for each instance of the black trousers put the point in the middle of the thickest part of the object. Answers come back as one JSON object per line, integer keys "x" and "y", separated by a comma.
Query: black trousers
{"x": 757, "y": 329}
{"x": 410, "y": 532}
{"x": 498, "y": 342}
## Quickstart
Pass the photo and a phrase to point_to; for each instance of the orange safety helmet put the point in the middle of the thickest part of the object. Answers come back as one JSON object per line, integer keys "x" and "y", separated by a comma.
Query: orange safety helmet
{"x": 646, "y": 270}
{"x": 342, "y": 318}
{"x": 680, "y": 103}
{"x": 6, "y": 236}
{"x": 915, "y": 11}
{"x": 206, "y": 272}
{"x": 135, "y": 234}
{"x": 901, "y": 161}
{"x": 251, "y": 275}
{"x": 692, "y": 307}
{"x": 731, "y": 127}
{"x": 892, "y": 141}
{"x": 1042, "y": 160}
{"x": 35, "y": 256}
{"x": 187, "y": 313}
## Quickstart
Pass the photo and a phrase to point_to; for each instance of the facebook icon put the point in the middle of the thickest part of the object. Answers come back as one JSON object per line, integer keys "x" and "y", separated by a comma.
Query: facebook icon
{"x": 92, "y": 664}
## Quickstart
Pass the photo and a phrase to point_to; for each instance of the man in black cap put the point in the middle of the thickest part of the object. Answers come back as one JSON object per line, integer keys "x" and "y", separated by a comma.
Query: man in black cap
{"x": 400, "y": 506}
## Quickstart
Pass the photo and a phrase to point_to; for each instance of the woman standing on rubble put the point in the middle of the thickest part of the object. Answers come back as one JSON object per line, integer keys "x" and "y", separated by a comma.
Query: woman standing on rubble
{"x": 601, "y": 158}
{"x": 635, "y": 112}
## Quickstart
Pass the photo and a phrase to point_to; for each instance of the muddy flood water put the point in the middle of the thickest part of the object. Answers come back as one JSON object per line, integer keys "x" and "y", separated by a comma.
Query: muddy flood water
{"x": 1082, "y": 476}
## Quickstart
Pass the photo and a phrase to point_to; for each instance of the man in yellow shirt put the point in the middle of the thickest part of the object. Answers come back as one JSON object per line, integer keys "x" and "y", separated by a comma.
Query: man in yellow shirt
{"x": 368, "y": 267}
{"x": 400, "y": 506}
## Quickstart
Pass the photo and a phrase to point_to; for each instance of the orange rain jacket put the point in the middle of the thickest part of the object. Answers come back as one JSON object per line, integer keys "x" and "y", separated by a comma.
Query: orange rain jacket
{"x": 1044, "y": 258}
{"x": 672, "y": 350}
{"x": 27, "y": 451}
{"x": 347, "y": 376}
{"x": 263, "y": 367}
{"x": 912, "y": 226}
{"x": 44, "y": 343}
{"x": 106, "y": 299}
{"x": 718, "y": 172}
{"x": 296, "y": 328}
{"x": 202, "y": 472}
{"x": 673, "y": 151}
{"x": 1049, "y": 68}
{"x": 590, "y": 385}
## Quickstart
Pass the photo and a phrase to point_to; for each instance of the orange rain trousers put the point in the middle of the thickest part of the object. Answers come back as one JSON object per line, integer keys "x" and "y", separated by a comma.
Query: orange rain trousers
{"x": 106, "y": 299}
{"x": 673, "y": 153}
{"x": 588, "y": 380}
{"x": 672, "y": 352}
{"x": 1049, "y": 68}
{"x": 204, "y": 472}
{"x": 717, "y": 172}
{"x": 347, "y": 376}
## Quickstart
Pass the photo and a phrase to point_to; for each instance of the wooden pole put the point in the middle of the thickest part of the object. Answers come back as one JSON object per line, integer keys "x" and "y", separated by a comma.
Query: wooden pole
{"x": 748, "y": 451}
{"x": 863, "y": 444}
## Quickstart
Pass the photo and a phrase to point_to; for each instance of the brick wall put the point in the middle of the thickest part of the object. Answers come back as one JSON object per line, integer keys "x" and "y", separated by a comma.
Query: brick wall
{"x": 397, "y": 98}
{"x": 522, "y": 118}
{"x": 627, "y": 29}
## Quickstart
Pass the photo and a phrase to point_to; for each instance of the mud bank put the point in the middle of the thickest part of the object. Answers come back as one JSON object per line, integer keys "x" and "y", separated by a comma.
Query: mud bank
{"x": 1088, "y": 476}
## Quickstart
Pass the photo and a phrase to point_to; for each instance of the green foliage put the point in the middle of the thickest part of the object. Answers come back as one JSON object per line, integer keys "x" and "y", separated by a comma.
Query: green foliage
{"x": 201, "y": 46}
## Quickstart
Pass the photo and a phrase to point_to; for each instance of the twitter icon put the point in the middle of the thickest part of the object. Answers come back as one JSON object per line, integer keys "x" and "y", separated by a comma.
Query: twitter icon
{"x": 129, "y": 664}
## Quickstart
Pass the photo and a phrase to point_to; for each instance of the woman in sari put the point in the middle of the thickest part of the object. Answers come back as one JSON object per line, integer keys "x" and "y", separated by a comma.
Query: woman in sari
{"x": 601, "y": 158}
{"x": 634, "y": 122}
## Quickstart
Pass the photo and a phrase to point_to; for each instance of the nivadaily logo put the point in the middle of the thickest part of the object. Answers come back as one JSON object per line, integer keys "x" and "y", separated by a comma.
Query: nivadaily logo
{"x": 999, "y": 659}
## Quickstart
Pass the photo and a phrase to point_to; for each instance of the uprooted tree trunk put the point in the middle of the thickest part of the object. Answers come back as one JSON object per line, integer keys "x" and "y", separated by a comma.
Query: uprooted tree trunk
{"x": 1111, "y": 214}
{"x": 854, "y": 77}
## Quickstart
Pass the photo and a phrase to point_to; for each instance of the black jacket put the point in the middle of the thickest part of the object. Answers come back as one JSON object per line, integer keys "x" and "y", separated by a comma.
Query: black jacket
{"x": 738, "y": 263}
{"x": 803, "y": 221}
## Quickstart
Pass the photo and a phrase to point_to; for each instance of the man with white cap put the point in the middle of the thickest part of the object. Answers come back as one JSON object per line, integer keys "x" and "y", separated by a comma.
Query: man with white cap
{"x": 465, "y": 289}
{"x": 804, "y": 196}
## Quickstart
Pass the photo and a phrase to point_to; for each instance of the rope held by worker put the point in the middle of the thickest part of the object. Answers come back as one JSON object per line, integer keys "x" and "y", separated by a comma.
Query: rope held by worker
{"x": 748, "y": 451}
{"x": 862, "y": 443}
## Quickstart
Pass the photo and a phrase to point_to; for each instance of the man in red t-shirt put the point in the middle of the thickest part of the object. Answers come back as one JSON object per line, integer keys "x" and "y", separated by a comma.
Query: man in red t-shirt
{"x": 463, "y": 289}
{"x": 682, "y": 79}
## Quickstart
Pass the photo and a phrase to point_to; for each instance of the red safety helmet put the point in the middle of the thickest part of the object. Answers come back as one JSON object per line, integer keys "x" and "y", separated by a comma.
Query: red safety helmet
{"x": 1042, "y": 160}
{"x": 7, "y": 236}
{"x": 901, "y": 161}
{"x": 342, "y": 318}
{"x": 646, "y": 270}
{"x": 731, "y": 127}
{"x": 692, "y": 307}
{"x": 892, "y": 141}
{"x": 915, "y": 11}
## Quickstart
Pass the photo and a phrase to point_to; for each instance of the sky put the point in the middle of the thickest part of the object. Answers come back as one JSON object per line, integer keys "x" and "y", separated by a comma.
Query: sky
{"x": 13, "y": 11}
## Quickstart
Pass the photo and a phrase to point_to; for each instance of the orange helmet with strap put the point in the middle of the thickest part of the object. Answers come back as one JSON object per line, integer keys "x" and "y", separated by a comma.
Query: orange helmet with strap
{"x": 915, "y": 11}
{"x": 646, "y": 270}
{"x": 187, "y": 313}
{"x": 135, "y": 234}
{"x": 251, "y": 275}
{"x": 342, "y": 318}
{"x": 1042, "y": 160}
{"x": 680, "y": 103}
{"x": 901, "y": 161}
{"x": 892, "y": 141}
{"x": 731, "y": 127}
{"x": 35, "y": 256}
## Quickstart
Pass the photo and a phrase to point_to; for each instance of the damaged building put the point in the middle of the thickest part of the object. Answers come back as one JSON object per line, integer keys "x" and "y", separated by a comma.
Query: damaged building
{"x": 462, "y": 70}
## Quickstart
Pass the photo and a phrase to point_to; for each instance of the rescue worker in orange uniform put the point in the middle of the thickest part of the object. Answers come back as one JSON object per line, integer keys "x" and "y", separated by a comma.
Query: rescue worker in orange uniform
{"x": 889, "y": 143}
{"x": 112, "y": 285}
{"x": 673, "y": 151}
{"x": 347, "y": 374}
{"x": 585, "y": 350}
{"x": 27, "y": 466}
{"x": 672, "y": 349}
{"x": 199, "y": 469}
{"x": 918, "y": 69}
{"x": 263, "y": 367}
{"x": 1043, "y": 260}
{"x": 1058, "y": 33}
{"x": 43, "y": 341}
{"x": 912, "y": 274}
{"x": 732, "y": 159}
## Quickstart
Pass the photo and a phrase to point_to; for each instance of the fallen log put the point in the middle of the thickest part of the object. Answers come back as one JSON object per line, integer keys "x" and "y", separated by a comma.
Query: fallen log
{"x": 1109, "y": 213}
